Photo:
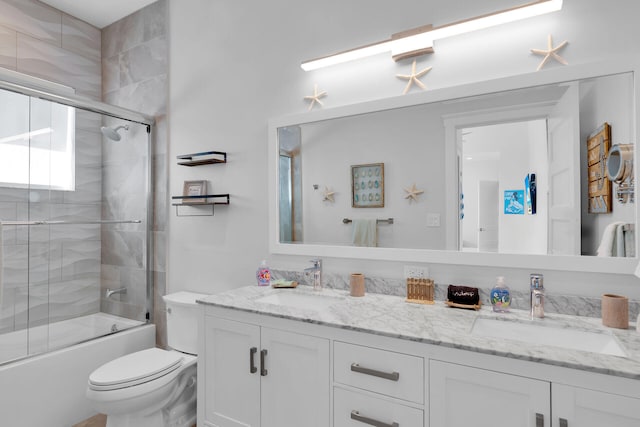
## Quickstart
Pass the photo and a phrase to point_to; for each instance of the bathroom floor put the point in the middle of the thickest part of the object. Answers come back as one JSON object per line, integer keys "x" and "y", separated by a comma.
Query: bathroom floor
{"x": 99, "y": 420}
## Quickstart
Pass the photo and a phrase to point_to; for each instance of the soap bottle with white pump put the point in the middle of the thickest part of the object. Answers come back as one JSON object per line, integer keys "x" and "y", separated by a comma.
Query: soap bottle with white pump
{"x": 500, "y": 296}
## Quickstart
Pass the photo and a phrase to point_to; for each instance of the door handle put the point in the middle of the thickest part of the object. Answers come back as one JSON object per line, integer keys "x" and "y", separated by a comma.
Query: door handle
{"x": 564, "y": 422}
{"x": 252, "y": 364}
{"x": 263, "y": 370}
{"x": 539, "y": 420}
{"x": 392, "y": 376}
{"x": 355, "y": 415}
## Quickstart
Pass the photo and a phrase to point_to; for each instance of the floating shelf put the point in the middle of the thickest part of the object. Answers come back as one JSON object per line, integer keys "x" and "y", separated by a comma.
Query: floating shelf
{"x": 196, "y": 203}
{"x": 203, "y": 158}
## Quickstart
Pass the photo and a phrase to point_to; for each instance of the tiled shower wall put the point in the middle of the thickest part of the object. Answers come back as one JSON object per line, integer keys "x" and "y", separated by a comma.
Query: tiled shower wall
{"x": 64, "y": 265}
{"x": 134, "y": 76}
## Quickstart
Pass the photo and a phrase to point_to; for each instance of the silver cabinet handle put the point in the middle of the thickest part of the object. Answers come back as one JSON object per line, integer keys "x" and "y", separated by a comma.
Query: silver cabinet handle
{"x": 539, "y": 420}
{"x": 252, "y": 364}
{"x": 393, "y": 376}
{"x": 263, "y": 370}
{"x": 564, "y": 422}
{"x": 355, "y": 415}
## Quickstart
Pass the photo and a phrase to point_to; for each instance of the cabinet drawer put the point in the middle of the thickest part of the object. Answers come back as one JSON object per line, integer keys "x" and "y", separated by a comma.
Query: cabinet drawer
{"x": 351, "y": 409}
{"x": 393, "y": 374}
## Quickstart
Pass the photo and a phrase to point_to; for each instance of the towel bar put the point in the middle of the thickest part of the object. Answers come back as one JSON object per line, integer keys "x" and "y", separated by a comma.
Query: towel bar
{"x": 387, "y": 220}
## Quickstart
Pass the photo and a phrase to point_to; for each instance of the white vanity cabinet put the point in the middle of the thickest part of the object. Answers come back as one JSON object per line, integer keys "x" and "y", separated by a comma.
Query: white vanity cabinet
{"x": 464, "y": 396}
{"x": 580, "y": 407}
{"x": 254, "y": 376}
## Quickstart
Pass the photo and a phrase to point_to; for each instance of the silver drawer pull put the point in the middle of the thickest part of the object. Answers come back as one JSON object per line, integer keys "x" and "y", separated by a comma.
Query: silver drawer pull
{"x": 393, "y": 376}
{"x": 539, "y": 420}
{"x": 564, "y": 422}
{"x": 355, "y": 415}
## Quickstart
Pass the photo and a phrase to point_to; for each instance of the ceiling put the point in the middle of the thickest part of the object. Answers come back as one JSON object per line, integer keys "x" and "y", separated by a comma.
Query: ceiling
{"x": 99, "y": 13}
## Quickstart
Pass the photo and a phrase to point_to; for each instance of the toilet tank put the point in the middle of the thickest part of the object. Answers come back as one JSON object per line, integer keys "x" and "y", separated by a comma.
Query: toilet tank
{"x": 182, "y": 321}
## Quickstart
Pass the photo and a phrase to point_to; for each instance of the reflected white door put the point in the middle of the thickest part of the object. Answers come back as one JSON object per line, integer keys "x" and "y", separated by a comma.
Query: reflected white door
{"x": 488, "y": 213}
{"x": 564, "y": 175}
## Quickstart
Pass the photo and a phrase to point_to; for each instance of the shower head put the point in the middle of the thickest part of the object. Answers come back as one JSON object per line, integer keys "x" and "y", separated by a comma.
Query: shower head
{"x": 112, "y": 133}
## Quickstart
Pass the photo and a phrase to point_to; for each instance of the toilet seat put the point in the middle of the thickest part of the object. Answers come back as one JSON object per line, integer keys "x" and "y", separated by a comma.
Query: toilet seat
{"x": 134, "y": 369}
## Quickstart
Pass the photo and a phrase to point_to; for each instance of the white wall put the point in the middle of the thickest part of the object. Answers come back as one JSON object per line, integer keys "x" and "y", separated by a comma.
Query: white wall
{"x": 235, "y": 64}
{"x": 410, "y": 144}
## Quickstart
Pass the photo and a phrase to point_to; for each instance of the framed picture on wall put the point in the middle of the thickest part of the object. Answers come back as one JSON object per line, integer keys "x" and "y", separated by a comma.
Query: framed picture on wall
{"x": 514, "y": 202}
{"x": 194, "y": 188}
{"x": 367, "y": 185}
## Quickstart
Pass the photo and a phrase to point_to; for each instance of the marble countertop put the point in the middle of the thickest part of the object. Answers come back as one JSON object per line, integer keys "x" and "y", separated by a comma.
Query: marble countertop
{"x": 438, "y": 324}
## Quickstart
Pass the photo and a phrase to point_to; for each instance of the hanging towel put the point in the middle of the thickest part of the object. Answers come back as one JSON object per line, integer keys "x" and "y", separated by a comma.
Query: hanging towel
{"x": 619, "y": 249}
{"x": 1, "y": 267}
{"x": 608, "y": 244}
{"x": 365, "y": 232}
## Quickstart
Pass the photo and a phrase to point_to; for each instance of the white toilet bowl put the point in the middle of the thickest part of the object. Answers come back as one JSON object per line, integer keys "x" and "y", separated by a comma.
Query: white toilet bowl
{"x": 153, "y": 387}
{"x": 149, "y": 388}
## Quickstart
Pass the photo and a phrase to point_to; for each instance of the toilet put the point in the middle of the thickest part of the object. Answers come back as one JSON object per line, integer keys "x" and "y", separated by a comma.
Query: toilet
{"x": 153, "y": 387}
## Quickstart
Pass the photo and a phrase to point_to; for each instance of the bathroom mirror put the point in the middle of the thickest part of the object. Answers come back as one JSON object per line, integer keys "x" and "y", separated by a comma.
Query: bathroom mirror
{"x": 468, "y": 148}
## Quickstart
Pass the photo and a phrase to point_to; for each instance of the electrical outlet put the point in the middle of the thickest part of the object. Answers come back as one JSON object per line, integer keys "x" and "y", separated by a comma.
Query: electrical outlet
{"x": 416, "y": 272}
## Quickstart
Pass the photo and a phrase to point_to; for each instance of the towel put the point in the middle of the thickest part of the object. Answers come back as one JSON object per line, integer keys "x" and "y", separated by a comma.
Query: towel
{"x": 365, "y": 232}
{"x": 1, "y": 267}
{"x": 609, "y": 245}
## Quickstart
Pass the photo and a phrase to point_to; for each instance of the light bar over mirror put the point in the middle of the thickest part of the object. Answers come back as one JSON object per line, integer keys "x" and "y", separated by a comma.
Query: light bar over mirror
{"x": 419, "y": 41}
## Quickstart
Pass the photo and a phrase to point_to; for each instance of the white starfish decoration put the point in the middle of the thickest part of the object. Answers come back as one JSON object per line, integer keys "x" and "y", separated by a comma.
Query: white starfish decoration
{"x": 413, "y": 193}
{"x": 327, "y": 195}
{"x": 414, "y": 77}
{"x": 315, "y": 97}
{"x": 550, "y": 52}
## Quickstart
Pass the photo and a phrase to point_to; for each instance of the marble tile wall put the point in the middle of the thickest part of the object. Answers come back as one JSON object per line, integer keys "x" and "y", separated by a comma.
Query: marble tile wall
{"x": 554, "y": 303}
{"x": 52, "y": 272}
{"x": 134, "y": 75}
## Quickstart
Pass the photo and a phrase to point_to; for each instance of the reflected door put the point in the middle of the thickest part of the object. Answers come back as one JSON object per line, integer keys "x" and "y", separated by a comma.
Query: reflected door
{"x": 488, "y": 213}
{"x": 564, "y": 175}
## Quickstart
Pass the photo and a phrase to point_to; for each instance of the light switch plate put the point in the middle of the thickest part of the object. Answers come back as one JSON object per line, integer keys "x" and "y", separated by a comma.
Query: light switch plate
{"x": 433, "y": 220}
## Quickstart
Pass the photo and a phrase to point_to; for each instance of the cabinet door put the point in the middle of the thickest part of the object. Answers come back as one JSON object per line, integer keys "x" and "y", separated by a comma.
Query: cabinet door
{"x": 231, "y": 390}
{"x": 295, "y": 389}
{"x": 579, "y": 407}
{"x": 461, "y": 396}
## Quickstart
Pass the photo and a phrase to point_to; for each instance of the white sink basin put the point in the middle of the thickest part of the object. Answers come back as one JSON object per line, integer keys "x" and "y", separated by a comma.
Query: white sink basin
{"x": 295, "y": 299}
{"x": 575, "y": 339}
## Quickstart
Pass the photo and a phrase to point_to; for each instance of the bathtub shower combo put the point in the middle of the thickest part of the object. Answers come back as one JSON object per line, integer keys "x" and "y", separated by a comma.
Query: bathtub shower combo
{"x": 75, "y": 214}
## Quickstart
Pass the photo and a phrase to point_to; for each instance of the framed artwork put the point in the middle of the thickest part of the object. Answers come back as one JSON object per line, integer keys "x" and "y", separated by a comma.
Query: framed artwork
{"x": 194, "y": 188}
{"x": 599, "y": 189}
{"x": 367, "y": 185}
{"x": 514, "y": 202}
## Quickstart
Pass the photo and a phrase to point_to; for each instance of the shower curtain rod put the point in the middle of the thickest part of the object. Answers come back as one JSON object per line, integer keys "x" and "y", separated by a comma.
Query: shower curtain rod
{"x": 132, "y": 221}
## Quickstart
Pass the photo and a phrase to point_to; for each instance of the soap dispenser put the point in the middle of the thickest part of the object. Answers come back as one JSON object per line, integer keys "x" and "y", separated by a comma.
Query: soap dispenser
{"x": 500, "y": 296}
{"x": 263, "y": 274}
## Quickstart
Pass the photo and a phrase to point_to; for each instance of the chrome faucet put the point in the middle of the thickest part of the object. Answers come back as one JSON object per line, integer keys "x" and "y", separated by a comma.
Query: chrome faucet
{"x": 316, "y": 270}
{"x": 536, "y": 288}
{"x": 110, "y": 292}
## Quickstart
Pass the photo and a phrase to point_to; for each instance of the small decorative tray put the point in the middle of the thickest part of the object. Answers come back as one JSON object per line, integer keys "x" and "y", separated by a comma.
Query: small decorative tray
{"x": 467, "y": 306}
{"x": 284, "y": 284}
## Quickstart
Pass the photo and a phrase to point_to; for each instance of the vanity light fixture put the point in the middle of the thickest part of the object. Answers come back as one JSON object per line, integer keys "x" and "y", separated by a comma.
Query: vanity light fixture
{"x": 419, "y": 41}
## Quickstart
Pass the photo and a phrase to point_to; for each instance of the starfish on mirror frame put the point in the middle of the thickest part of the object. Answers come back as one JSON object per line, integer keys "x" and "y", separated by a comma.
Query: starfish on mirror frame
{"x": 413, "y": 193}
{"x": 414, "y": 77}
{"x": 550, "y": 52}
{"x": 315, "y": 97}
{"x": 327, "y": 195}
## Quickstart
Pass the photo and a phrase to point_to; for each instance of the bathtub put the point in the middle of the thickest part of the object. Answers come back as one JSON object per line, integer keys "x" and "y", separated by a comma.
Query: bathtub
{"x": 49, "y": 389}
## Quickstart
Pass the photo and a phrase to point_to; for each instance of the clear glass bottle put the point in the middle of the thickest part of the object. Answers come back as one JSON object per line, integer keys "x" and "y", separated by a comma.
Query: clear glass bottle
{"x": 500, "y": 296}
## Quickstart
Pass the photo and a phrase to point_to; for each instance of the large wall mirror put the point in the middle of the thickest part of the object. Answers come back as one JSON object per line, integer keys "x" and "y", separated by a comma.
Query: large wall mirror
{"x": 505, "y": 167}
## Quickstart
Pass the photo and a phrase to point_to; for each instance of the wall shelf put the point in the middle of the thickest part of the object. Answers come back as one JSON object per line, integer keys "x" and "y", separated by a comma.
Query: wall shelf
{"x": 202, "y": 205}
{"x": 203, "y": 158}
{"x": 200, "y": 202}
